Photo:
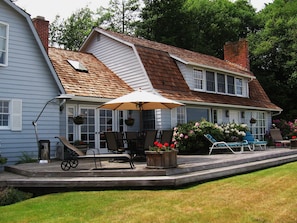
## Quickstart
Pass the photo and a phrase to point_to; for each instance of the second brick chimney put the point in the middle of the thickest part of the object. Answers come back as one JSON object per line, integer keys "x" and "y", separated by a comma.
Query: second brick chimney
{"x": 238, "y": 53}
{"x": 41, "y": 26}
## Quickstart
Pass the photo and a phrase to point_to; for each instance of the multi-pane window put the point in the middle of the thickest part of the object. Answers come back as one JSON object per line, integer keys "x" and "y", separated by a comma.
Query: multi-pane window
{"x": 71, "y": 126}
{"x": 221, "y": 83}
{"x": 148, "y": 119}
{"x": 238, "y": 86}
{"x": 181, "y": 115}
{"x": 210, "y": 81}
{"x": 3, "y": 44}
{"x": 4, "y": 113}
{"x": 217, "y": 82}
{"x": 231, "y": 85}
{"x": 198, "y": 79}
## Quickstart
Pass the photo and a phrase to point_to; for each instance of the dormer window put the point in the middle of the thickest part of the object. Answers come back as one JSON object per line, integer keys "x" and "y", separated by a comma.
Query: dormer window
{"x": 77, "y": 66}
{"x": 221, "y": 83}
{"x": 210, "y": 81}
{"x": 198, "y": 79}
{"x": 215, "y": 82}
{"x": 3, "y": 44}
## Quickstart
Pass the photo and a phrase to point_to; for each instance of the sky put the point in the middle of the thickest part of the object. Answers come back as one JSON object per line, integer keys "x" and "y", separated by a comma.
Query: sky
{"x": 50, "y": 8}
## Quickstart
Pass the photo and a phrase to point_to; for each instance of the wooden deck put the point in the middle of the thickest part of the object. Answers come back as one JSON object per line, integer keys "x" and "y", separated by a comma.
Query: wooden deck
{"x": 192, "y": 169}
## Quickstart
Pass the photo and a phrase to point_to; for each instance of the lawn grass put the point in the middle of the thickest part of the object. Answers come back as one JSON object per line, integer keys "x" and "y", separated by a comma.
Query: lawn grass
{"x": 264, "y": 196}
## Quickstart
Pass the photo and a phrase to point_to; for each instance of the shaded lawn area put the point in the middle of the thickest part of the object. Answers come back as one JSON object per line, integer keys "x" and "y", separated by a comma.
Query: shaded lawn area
{"x": 264, "y": 196}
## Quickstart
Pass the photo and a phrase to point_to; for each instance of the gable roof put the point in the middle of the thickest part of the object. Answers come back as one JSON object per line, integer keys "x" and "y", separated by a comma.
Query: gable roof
{"x": 159, "y": 61}
{"x": 98, "y": 82}
{"x": 38, "y": 40}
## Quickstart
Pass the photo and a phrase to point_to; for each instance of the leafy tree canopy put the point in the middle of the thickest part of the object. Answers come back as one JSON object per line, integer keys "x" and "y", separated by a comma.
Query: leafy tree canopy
{"x": 71, "y": 33}
{"x": 273, "y": 50}
{"x": 198, "y": 25}
{"x": 120, "y": 16}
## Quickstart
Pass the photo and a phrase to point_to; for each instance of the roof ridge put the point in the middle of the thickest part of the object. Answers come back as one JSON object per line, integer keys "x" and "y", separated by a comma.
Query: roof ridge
{"x": 184, "y": 54}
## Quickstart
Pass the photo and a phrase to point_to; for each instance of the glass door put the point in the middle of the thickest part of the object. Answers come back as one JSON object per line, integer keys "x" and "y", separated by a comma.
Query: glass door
{"x": 87, "y": 129}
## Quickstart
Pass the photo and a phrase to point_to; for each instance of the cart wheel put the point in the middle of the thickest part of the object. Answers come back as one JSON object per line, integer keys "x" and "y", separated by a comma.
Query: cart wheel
{"x": 73, "y": 163}
{"x": 65, "y": 165}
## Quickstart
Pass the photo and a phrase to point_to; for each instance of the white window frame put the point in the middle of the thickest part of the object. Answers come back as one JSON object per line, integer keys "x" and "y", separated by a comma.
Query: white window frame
{"x": 213, "y": 84}
{"x": 14, "y": 115}
{"x": 5, "y": 113}
{"x": 181, "y": 115}
{"x": 217, "y": 83}
{"x": 4, "y": 39}
{"x": 200, "y": 83}
{"x": 198, "y": 79}
{"x": 239, "y": 87}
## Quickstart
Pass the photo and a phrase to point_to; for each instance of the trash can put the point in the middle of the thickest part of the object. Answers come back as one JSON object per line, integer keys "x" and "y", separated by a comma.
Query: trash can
{"x": 44, "y": 150}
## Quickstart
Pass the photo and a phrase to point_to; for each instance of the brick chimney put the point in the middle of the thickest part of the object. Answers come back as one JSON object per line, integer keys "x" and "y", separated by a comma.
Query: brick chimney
{"x": 41, "y": 26}
{"x": 238, "y": 53}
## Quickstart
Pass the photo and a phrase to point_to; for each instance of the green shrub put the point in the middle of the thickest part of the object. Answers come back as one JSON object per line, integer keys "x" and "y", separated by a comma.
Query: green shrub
{"x": 3, "y": 160}
{"x": 26, "y": 158}
{"x": 9, "y": 195}
{"x": 189, "y": 137}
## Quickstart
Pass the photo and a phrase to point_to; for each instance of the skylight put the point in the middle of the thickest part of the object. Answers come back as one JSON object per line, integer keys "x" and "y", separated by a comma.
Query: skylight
{"x": 77, "y": 65}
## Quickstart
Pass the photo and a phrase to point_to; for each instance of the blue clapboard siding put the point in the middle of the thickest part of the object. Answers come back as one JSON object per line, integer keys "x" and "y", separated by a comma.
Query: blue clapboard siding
{"x": 28, "y": 78}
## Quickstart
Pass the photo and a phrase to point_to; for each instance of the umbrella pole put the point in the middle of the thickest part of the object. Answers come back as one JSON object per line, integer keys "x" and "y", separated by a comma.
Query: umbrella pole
{"x": 140, "y": 121}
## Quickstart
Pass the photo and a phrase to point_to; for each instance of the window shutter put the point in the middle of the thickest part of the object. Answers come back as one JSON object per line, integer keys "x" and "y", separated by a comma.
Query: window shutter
{"x": 16, "y": 115}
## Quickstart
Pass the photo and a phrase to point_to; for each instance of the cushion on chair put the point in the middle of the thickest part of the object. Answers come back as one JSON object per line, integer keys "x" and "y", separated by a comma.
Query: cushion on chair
{"x": 210, "y": 138}
{"x": 249, "y": 137}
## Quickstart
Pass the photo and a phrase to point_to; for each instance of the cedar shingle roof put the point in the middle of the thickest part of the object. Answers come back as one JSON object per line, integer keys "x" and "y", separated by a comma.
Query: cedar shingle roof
{"x": 168, "y": 81}
{"x": 99, "y": 81}
{"x": 185, "y": 55}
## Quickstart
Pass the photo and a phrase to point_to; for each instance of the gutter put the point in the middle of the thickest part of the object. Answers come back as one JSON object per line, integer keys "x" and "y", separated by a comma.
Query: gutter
{"x": 229, "y": 106}
{"x": 212, "y": 68}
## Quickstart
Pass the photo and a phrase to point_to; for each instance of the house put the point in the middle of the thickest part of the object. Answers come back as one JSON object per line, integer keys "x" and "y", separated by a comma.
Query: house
{"x": 107, "y": 66}
{"x": 220, "y": 91}
{"x": 27, "y": 81}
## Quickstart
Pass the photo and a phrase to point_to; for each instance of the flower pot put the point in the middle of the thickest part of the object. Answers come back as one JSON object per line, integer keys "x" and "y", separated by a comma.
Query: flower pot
{"x": 161, "y": 159}
{"x": 253, "y": 121}
{"x": 129, "y": 121}
{"x": 78, "y": 120}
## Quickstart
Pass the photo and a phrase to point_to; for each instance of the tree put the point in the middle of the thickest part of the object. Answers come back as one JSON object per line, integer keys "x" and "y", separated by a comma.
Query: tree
{"x": 72, "y": 32}
{"x": 164, "y": 21}
{"x": 273, "y": 51}
{"x": 218, "y": 21}
{"x": 199, "y": 25}
{"x": 121, "y": 16}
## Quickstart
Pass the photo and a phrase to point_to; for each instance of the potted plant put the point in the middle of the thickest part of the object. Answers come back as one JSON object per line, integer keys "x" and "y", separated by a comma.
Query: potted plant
{"x": 3, "y": 160}
{"x": 253, "y": 120}
{"x": 161, "y": 156}
{"x": 129, "y": 121}
{"x": 78, "y": 120}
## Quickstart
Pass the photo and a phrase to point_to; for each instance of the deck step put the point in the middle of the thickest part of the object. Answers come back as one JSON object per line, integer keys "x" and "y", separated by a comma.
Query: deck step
{"x": 191, "y": 169}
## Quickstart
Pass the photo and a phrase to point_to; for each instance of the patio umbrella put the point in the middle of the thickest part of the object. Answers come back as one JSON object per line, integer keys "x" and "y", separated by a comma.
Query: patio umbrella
{"x": 140, "y": 100}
